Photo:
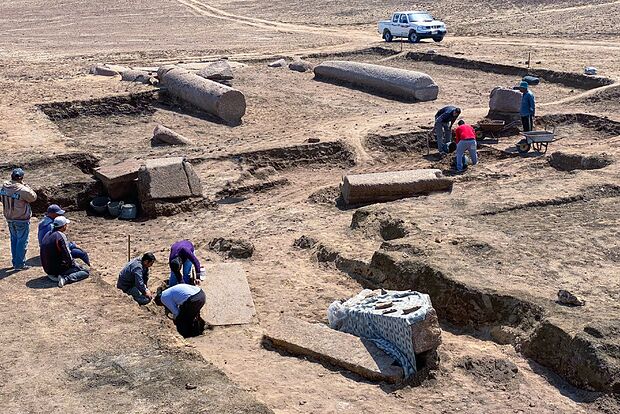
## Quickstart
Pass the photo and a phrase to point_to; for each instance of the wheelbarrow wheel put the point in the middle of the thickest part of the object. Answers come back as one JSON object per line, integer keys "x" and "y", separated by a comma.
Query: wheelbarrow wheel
{"x": 523, "y": 147}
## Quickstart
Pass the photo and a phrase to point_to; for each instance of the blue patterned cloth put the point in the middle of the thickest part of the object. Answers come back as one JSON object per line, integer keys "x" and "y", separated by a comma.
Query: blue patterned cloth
{"x": 385, "y": 318}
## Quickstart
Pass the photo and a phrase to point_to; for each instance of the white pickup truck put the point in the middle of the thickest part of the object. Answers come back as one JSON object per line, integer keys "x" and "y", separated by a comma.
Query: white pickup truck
{"x": 414, "y": 25}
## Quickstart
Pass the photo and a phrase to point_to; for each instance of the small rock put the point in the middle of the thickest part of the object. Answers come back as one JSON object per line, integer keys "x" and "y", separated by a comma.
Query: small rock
{"x": 305, "y": 242}
{"x": 314, "y": 140}
{"x": 431, "y": 52}
{"x": 189, "y": 386}
{"x": 217, "y": 71}
{"x": 300, "y": 65}
{"x": 135, "y": 76}
{"x": 568, "y": 299}
{"x": 277, "y": 64}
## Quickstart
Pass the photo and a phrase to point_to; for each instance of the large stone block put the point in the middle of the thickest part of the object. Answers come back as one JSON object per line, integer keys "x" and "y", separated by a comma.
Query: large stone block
{"x": 505, "y": 100}
{"x": 327, "y": 345}
{"x": 388, "y": 186}
{"x": 402, "y": 83}
{"x": 120, "y": 180}
{"x": 403, "y": 322}
{"x": 163, "y": 178}
{"x": 217, "y": 71}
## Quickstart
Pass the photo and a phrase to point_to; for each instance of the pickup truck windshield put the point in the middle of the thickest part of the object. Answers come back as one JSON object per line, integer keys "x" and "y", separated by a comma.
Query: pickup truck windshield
{"x": 420, "y": 17}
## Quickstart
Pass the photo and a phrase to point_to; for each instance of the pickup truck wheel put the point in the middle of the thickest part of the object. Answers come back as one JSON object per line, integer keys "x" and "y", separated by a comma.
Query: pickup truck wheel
{"x": 387, "y": 36}
{"x": 438, "y": 39}
{"x": 413, "y": 37}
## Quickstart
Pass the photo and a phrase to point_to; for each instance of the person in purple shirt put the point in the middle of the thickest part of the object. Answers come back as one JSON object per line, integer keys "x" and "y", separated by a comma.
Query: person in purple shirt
{"x": 181, "y": 260}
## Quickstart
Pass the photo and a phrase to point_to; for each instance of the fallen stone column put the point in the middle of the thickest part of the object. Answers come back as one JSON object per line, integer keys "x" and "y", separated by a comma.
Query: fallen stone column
{"x": 163, "y": 136}
{"x": 389, "y": 186}
{"x": 217, "y": 99}
{"x": 391, "y": 81}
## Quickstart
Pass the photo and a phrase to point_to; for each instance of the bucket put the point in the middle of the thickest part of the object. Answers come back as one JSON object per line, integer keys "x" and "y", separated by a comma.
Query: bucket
{"x": 128, "y": 212}
{"x": 114, "y": 208}
{"x": 100, "y": 204}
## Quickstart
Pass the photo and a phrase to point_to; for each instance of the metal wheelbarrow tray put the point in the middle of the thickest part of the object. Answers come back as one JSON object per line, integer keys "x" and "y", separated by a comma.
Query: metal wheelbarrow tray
{"x": 538, "y": 140}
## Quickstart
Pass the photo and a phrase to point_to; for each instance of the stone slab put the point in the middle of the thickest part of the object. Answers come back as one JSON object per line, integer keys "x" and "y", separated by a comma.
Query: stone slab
{"x": 193, "y": 180}
{"x": 123, "y": 172}
{"x": 163, "y": 178}
{"x": 393, "y": 185}
{"x": 320, "y": 342}
{"x": 505, "y": 100}
{"x": 229, "y": 300}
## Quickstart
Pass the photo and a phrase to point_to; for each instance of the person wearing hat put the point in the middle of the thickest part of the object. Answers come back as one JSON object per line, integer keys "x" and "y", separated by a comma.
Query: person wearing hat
{"x": 134, "y": 278}
{"x": 528, "y": 107}
{"x": 47, "y": 224}
{"x": 444, "y": 119}
{"x": 16, "y": 198}
{"x": 56, "y": 257}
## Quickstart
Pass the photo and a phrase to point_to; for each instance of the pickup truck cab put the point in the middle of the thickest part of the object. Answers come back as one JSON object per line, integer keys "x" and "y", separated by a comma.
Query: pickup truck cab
{"x": 414, "y": 25}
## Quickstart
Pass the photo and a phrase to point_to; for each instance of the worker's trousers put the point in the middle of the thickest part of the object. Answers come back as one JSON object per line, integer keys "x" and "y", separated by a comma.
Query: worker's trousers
{"x": 138, "y": 296}
{"x": 189, "y": 311}
{"x": 19, "y": 231}
{"x": 468, "y": 145}
{"x": 528, "y": 123}
{"x": 186, "y": 272}
{"x": 443, "y": 135}
{"x": 74, "y": 274}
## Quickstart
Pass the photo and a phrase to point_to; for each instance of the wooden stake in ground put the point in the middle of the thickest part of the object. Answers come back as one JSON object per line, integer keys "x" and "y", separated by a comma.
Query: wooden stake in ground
{"x": 128, "y": 247}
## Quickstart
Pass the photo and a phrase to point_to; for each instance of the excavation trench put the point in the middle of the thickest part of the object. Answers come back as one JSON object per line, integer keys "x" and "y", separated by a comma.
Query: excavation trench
{"x": 573, "y": 80}
{"x": 582, "y": 358}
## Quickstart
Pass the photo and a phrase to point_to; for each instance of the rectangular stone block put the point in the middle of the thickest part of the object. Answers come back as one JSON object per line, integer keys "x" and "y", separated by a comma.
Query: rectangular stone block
{"x": 321, "y": 343}
{"x": 118, "y": 173}
{"x": 163, "y": 178}
{"x": 389, "y": 186}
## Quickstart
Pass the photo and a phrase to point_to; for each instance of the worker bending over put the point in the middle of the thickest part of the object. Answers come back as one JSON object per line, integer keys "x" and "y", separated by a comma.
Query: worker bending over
{"x": 181, "y": 260}
{"x": 465, "y": 141}
{"x": 444, "y": 119}
{"x": 184, "y": 302}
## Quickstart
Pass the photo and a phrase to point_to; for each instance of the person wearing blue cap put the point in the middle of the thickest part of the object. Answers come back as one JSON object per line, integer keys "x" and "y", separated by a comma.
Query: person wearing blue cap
{"x": 528, "y": 107}
{"x": 47, "y": 224}
{"x": 16, "y": 198}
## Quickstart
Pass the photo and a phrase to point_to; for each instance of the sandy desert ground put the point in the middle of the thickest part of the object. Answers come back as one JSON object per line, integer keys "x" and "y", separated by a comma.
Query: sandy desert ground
{"x": 492, "y": 253}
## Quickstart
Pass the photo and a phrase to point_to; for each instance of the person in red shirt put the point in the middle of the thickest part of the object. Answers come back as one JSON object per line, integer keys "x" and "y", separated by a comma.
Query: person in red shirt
{"x": 465, "y": 141}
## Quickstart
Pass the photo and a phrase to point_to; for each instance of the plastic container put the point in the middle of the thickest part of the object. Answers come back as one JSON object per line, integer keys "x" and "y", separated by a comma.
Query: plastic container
{"x": 114, "y": 208}
{"x": 100, "y": 204}
{"x": 128, "y": 212}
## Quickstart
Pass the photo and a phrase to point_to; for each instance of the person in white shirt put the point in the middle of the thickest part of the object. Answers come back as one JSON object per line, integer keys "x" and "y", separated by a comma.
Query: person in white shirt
{"x": 184, "y": 302}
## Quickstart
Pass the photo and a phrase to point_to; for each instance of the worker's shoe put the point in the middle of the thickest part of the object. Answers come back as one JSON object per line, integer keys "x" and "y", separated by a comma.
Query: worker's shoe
{"x": 61, "y": 281}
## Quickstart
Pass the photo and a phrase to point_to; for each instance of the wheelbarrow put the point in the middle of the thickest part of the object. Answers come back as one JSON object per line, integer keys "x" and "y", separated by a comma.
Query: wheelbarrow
{"x": 538, "y": 140}
{"x": 493, "y": 128}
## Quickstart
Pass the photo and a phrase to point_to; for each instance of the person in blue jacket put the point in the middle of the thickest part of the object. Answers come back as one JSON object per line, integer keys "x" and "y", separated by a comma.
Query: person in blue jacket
{"x": 528, "y": 107}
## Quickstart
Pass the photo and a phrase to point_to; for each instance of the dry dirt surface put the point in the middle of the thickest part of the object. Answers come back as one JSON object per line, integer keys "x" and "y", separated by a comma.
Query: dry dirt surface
{"x": 492, "y": 254}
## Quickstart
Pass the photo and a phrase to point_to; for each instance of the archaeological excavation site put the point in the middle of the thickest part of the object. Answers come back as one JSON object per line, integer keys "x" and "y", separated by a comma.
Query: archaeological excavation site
{"x": 340, "y": 243}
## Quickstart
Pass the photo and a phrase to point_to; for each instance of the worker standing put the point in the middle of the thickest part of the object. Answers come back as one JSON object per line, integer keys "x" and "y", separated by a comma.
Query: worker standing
{"x": 528, "y": 107}
{"x": 16, "y": 198}
{"x": 465, "y": 141}
{"x": 444, "y": 119}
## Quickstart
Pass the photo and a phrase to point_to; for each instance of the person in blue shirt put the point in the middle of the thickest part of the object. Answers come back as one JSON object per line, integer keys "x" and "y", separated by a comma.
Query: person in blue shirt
{"x": 134, "y": 278}
{"x": 46, "y": 225}
{"x": 444, "y": 119}
{"x": 528, "y": 107}
{"x": 184, "y": 302}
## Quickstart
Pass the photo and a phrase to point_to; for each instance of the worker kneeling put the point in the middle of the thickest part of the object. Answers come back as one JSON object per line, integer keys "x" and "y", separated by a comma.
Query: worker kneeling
{"x": 184, "y": 302}
{"x": 134, "y": 278}
{"x": 465, "y": 141}
{"x": 56, "y": 256}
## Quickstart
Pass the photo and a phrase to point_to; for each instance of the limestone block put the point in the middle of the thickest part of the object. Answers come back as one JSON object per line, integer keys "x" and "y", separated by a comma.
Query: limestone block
{"x": 324, "y": 344}
{"x": 388, "y": 186}
{"x": 505, "y": 100}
